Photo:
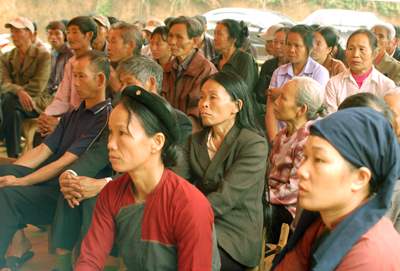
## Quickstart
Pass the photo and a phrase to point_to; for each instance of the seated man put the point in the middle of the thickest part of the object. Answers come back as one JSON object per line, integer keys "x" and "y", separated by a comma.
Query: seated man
{"x": 76, "y": 206}
{"x": 81, "y": 33}
{"x": 101, "y": 43}
{"x": 148, "y": 30}
{"x": 182, "y": 77}
{"x": 60, "y": 54}
{"x": 206, "y": 41}
{"x": 38, "y": 42}
{"x": 24, "y": 72}
{"x": 29, "y": 190}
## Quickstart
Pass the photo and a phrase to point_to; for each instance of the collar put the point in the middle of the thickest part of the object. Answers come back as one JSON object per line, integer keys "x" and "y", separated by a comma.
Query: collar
{"x": 185, "y": 63}
{"x": 233, "y": 61}
{"x": 31, "y": 51}
{"x": 96, "y": 108}
{"x": 378, "y": 58}
{"x": 308, "y": 68}
{"x": 374, "y": 76}
{"x": 64, "y": 48}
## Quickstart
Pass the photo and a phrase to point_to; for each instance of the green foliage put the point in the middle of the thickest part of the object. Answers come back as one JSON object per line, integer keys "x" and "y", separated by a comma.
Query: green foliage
{"x": 104, "y": 7}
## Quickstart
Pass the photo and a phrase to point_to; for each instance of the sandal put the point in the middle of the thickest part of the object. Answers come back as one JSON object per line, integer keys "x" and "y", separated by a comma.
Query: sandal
{"x": 14, "y": 263}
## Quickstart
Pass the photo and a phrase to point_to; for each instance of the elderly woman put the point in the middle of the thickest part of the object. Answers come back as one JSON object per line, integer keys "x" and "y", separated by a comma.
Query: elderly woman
{"x": 229, "y": 36}
{"x": 142, "y": 142}
{"x": 299, "y": 45}
{"x": 325, "y": 40}
{"x": 227, "y": 161}
{"x": 346, "y": 184}
{"x": 361, "y": 76}
{"x": 182, "y": 77}
{"x": 159, "y": 46}
{"x": 269, "y": 66}
{"x": 299, "y": 104}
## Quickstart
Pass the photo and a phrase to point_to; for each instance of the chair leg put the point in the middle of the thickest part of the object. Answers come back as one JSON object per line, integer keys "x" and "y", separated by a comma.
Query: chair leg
{"x": 52, "y": 250}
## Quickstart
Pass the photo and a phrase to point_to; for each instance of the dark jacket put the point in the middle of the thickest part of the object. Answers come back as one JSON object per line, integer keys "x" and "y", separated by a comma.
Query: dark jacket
{"x": 396, "y": 54}
{"x": 57, "y": 67}
{"x": 267, "y": 70}
{"x": 184, "y": 93}
{"x": 234, "y": 185}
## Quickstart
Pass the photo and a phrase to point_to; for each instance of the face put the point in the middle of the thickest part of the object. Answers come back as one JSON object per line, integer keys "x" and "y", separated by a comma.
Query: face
{"x": 76, "y": 39}
{"x": 394, "y": 103}
{"x": 296, "y": 49}
{"x": 129, "y": 79}
{"x": 285, "y": 106}
{"x": 325, "y": 178}
{"x": 129, "y": 148}
{"x": 178, "y": 40}
{"x": 359, "y": 54}
{"x": 383, "y": 40}
{"x": 101, "y": 34}
{"x": 56, "y": 38}
{"x": 216, "y": 105}
{"x": 279, "y": 44}
{"x": 20, "y": 37}
{"x": 85, "y": 80}
{"x": 159, "y": 48}
{"x": 222, "y": 39}
{"x": 117, "y": 50}
{"x": 147, "y": 35}
{"x": 321, "y": 49}
{"x": 269, "y": 47}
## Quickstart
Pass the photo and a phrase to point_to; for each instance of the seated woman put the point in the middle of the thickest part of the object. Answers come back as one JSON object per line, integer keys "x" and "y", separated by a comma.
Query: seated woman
{"x": 228, "y": 161}
{"x": 299, "y": 45}
{"x": 153, "y": 212}
{"x": 325, "y": 40}
{"x": 361, "y": 76}
{"x": 299, "y": 104}
{"x": 159, "y": 46}
{"x": 351, "y": 165}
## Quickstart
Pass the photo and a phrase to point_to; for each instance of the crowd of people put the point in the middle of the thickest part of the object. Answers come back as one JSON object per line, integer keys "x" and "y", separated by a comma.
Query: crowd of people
{"x": 168, "y": 148}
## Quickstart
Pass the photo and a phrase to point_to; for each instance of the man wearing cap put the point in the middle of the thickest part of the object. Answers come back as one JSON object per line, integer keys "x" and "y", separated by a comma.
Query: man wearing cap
{"x": 269, "y": 37}
{"x": 101, "y": 43}
{"x": 82, "y": 31}
{"x": 60, "y": 54}
{"x": 148, "y": 30}
{"x": 38, "y": 42}
{"x": 24, "y": 72}
{"x": 140, "y": 71}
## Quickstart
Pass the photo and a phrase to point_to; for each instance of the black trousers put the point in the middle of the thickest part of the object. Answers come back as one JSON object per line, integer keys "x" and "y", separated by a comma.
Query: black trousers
{"x": 11, "y": 126}
{"x": 228, "y": 263}
{"x": 20, "y": 205}
{"x": 68, "y": 222}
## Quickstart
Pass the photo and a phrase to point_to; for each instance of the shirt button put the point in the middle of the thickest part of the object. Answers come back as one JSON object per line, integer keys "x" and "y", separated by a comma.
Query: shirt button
{"x": 207, "y": 182}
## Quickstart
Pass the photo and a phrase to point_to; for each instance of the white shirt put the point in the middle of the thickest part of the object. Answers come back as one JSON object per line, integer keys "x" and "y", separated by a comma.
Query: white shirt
{"x": 344, "y": 85}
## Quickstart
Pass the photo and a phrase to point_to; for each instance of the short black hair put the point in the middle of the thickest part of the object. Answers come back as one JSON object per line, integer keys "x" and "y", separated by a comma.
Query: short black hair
{"x": 306, "y": 33}
{"x": 34, "y": 26}
{"x": 330, "y": 35}
{"x": 168, "y": 19}
{"x": 397, "y": 28}
{"x": 112, "y": 20}
{"x": 85, "y": 24}
{"x": 98, "y": 62}
{"x": 163, "y": 31}
{"x": 193, "y": 26}
{"x": 373, "y": 40}
{"x": 238, "y": 31}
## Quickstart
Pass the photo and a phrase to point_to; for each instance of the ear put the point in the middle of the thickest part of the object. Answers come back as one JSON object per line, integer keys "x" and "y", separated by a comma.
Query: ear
{"x": 132, "y": 46}
{"x": 195, "y": 41}
{"x": 101, "y": 79}
{"x": 302, "y": 111}
{"x": 89, "y": 35}
{"x": 238, "y": 106}
{"x": 151, "y": 83}
{"x": 362, "y": 179}
{"x": 158, "y": 142}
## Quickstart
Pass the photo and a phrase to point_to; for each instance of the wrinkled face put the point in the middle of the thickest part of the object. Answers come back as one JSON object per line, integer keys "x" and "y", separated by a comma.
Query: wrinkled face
{"x": 325, "y": 177}
{"x": 383, "y": 39}
{"x": 394, "y": 103}
{"x": 159, "y": 48}
{"x": 296, "y": 49}
{"x": 20, "y": 37}
{"x": 269, "y": 48}
{"x": 178, "y": 40}
{"x": 85, "y": 79}
{"x": 129, "y": 146}
{"x": 222, "y": 39}
{"x": 117, "y": 50}
{"x": 279, "y": 44}
{"x": 216, "y": 105}
{"x": 56, "y": 38}
{"x": 285, "y": 106}
{"x": 101, "y": 34}
{"x": 321, "y": 49}
{"x": 76, "y": 39}
{"x": 359, "y": 54}
{"x": 129, "y": 79}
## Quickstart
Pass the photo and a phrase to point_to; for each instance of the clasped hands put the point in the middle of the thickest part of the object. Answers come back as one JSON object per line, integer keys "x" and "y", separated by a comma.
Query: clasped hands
{"x": 78, "y": 188}
{"x": 46, "y": 124}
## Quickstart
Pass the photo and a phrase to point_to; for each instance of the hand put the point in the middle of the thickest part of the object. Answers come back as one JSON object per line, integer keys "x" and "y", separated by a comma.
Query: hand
{"x": 46, "y": 124}
{"x": 273, "y": 93}
{"x": 26, "y": 100}
{"x": 10, "y": 180}
{"x": 113, "y": 81}
{"x": 42, "y": 121}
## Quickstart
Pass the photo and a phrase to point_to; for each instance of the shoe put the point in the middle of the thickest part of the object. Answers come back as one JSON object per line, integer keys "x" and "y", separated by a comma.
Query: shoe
{"x": 14, "y": 263}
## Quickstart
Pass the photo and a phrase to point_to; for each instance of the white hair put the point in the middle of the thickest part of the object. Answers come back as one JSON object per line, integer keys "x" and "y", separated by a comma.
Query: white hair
{"x": 391, "y": 32}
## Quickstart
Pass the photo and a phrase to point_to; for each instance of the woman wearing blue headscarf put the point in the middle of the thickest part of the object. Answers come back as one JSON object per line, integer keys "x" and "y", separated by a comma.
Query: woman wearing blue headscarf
{"x": 352, "y": 162}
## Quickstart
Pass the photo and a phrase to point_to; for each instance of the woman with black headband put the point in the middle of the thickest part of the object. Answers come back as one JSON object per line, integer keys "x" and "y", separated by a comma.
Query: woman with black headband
{"x": 346, "y": 181}
{"x": 152, "y": 211}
